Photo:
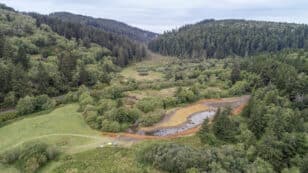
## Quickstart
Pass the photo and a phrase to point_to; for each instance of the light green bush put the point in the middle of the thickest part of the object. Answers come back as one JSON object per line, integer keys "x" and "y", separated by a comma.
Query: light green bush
{"x": 25, "y": 105}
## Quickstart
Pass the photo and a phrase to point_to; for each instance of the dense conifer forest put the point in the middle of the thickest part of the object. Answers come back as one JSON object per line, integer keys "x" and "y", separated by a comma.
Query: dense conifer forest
{"x": 222, "y": 38}
{"x": 108, "y": 26}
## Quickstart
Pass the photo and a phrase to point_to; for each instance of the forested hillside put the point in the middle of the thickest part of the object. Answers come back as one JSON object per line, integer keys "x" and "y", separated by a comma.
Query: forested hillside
{"x": 107, "y": 25}
{"x": 75, "y": 97}
{"x": 35, "y": 60}
{"x": 123, "y": 48}
{"x": 222, "y": 38}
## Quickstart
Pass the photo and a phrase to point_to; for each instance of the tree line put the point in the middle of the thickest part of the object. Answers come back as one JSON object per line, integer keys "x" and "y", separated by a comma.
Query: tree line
{"x": 123, "y": 49}
{"x": 107, "y": 25}
{"x": 222, "y": 38}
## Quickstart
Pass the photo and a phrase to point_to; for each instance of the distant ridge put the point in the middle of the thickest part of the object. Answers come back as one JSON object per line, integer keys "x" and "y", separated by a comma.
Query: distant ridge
{"x": 107, "y": 25}
{"x": 231, "y": 37}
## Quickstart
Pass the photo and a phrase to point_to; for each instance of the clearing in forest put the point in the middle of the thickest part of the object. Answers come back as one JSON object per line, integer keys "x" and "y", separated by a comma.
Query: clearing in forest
{"x": 147, "y": 70}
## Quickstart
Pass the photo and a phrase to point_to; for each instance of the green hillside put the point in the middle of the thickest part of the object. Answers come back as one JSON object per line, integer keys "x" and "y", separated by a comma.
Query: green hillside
{"x": 222, "y": 38}
{"x": 108, "y": 26}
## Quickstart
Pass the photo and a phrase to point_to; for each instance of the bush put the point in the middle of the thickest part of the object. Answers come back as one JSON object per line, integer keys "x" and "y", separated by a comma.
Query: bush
{"x": 10, "y": 99}
{"x": 171, "y": 157}
{"x": 186, "y": 95}
{"x": 43, "y": 102}
{"x": 105, "y": 105}
{"x": 113, "y": 92}
{"x": 119, "y": 119}
{"x": 29, "y": 157}
{"x": 151, "y": 118}
{"x": 92, "y": 119}
{"x": 239, "y": 88}
{"x": 71, "y": 97}
{"x": 149, "y": 104}
{"x": 169, "y": 102}
{"x": 110, "y": 126}
{"x": 25, "y": 105}
{"x": 7, "y": 116}
{"x": 214, "y": 93}
{"x": 84, "y": 100}
{"x": 123, "y": 115}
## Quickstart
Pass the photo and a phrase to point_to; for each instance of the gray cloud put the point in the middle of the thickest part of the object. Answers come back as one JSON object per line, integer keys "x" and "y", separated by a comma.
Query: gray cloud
{"x": 161, "y": 15}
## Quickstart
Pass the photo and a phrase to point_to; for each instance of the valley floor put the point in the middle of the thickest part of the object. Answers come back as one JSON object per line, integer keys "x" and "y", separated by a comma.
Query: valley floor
{"x": 65, "y": 129}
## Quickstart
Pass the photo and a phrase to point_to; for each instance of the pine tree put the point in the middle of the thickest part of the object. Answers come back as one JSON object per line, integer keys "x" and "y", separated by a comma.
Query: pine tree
{"x": 235, "y": 73}
{"x": 42, "y": 79}
{"x": 22, "y": 58}
{"x": 2, "y": 44}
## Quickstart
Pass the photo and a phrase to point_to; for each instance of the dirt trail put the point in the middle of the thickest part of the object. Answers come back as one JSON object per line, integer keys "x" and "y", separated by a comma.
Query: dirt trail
{"x": 180, "y": 116}
{"x": 55, "y": 134}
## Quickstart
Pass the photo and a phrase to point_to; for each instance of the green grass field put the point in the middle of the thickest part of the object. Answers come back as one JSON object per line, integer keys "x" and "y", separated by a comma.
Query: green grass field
{"x": 108, "y": 159}
{"x": 154, "y": 61}
{"x": 66, "y": 129}
{"x": 131, "y": 72}
{"x": 63, "y": 127}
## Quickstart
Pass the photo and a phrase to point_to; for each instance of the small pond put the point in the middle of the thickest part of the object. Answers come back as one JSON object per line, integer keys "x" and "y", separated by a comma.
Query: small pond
{"x": 193, "y": 121}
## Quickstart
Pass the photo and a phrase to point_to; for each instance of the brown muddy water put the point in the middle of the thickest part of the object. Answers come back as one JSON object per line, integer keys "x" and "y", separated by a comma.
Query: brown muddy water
{"x": 196, "y": 119}
{"x": 193, "y": 121}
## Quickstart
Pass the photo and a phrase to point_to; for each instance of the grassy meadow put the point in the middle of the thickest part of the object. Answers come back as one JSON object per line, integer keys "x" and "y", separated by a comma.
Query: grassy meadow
{"x": 63, "y": 127}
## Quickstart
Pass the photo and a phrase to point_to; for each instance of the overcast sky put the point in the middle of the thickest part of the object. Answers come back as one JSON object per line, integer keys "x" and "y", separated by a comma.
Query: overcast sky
{"x": 161, "y": 15}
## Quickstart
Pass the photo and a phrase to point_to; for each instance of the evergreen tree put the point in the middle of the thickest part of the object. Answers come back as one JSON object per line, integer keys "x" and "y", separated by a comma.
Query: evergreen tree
{"x": 235, "y": 73}
{"x": 2, "y": 44}
{"x": 224, "y": 127}
{"x": 22, "y": 57}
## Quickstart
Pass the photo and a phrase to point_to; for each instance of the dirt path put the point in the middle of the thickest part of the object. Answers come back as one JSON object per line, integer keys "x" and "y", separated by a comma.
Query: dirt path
{"x": 97, "y": 138}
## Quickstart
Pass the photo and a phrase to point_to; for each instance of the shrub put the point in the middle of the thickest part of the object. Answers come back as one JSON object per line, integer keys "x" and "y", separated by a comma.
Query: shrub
{"x": 92, "y": 119}
{"x": 71, "y": 97}
{"x": 113, "y": 92}
{"x": 105, "y": 105}
{"x": 185, "y": 95}
{"x": 30, "y": 157}
{"x": 151, "y": 118}
{"x": 43, "y": 102}
{"x": 124, "y": 115}
{"x": 110, "y": 126}
{"x": 213, "y": 93}
{"x": 25, "y": 105}
{"x": 10, "y": 99}
{"x": 29, "y": 104}
{"x": 171, "y": 157}
{"x": 239, "y": 88}
{"x": 169, "y": 102}
{"x": 84, "y": 100}
{"x": 7, "y": 116}
{"x": 149, "y": 104}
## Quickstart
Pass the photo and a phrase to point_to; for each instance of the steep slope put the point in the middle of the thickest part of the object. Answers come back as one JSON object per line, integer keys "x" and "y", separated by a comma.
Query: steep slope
{"x": 221, "y": 38}
{"x": 108, "y": 26}
{"x": 35, "y": 60}
{"x": 124, "y": 49}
